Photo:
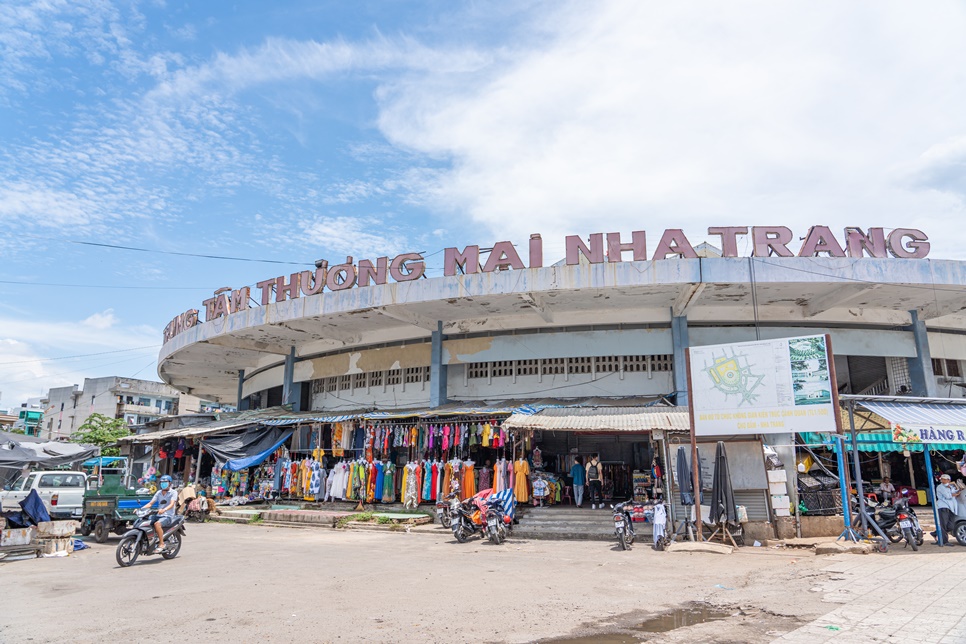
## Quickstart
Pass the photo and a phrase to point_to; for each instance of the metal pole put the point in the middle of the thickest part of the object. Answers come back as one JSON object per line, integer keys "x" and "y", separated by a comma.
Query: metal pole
{"x": 932, "y": 495}
{"x": 858, "y": 468}
{"x": 695, "y": 464}
{"x": 198, "y": 466}
{"x": 846, "y": 512}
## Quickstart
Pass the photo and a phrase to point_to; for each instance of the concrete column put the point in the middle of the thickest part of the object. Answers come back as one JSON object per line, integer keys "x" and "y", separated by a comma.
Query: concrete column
{"x": 291, "y": 393}
{"x": 679, "y": 339}
{"x": 437, "y": 370}
{"x": 241, "y": 402}
{"x": 921, "y": 375}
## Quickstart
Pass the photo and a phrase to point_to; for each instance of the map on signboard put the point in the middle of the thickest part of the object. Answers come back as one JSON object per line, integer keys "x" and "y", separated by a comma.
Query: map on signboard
{"x": 810, "y": 374}
{"x": 733, "y": 375}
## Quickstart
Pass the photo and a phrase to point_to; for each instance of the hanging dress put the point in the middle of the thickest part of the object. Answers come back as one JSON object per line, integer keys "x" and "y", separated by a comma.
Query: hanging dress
{"x": 521, "y": 469}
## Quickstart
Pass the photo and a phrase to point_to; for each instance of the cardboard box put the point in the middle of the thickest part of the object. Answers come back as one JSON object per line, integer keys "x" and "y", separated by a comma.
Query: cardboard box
{"x": 777, "y": 489}
{"x": 780, "y": 501}
{"x": 777, "y": 476}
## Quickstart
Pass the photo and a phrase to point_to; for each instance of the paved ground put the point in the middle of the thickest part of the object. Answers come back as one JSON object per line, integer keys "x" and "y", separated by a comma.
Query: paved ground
{"x": 243, "y": 583}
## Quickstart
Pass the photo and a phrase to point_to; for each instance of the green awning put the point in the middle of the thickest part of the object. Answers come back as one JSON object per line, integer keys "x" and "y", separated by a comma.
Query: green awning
{"x": 874, "y": 442}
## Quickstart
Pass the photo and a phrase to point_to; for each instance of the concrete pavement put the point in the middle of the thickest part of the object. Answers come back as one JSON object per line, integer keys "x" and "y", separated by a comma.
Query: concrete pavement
{"x": 905, "y": 597}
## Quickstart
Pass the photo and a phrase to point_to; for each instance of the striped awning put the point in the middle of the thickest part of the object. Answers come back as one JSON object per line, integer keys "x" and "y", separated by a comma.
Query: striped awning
{"x": 902, "y": 413}
{"x": 602, "y": 419}
{"x": 872, "y": 442}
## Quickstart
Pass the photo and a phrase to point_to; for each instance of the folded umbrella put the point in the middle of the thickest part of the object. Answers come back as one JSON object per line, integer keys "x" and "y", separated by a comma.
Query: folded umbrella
{"x": 685, "y": 484}
{"x": 722, "y": 494}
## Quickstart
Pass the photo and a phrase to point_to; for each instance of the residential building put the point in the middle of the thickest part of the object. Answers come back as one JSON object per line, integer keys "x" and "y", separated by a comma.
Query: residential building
{"x": 136, "y": 401}
{"x": 30, "y": 416}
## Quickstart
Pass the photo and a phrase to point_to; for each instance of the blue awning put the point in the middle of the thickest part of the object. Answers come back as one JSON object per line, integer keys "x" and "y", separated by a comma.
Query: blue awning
{"x": 101, "y": 461}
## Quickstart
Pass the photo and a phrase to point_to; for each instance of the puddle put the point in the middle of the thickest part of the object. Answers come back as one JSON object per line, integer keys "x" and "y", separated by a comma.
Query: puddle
{"x": 681, "y": 617}
{"x": 669, "y": 621}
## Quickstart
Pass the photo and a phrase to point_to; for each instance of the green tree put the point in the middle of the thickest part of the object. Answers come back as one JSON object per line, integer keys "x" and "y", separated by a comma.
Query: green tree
{"x": 102, "y": 431}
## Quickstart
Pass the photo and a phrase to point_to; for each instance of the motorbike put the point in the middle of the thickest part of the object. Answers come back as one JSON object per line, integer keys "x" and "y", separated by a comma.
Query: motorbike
{"x": 498, "y": 524}
{"x": 443, "y": 513}
{"x": 623, "y": 525}
{"x": 467, "y": 518}
{"x": 196, "y": 510}
{"x": 908, "y": 523}
{"x": 886, "y": 518}
{"x": 142, "y": 540}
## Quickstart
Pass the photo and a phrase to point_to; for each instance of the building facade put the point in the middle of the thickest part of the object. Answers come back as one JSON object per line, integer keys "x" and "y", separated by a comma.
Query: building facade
{"x": 607, "y": 329}
{"x": 133, "y": 400}
{"x": 30, "y": 417}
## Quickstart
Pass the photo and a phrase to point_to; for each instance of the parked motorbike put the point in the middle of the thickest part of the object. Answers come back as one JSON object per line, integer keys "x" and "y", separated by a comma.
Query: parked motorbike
{"x": 623, "y": 525}
{"x": 443, "y": 512}
{"x": 908, "y": 523}
{"x": 467, "y": 518}
{"x": 886, "y": 517}
{"x": 197, "y": 510}
{"x": 498, "y": 524}
{"x": 142, "y": 540}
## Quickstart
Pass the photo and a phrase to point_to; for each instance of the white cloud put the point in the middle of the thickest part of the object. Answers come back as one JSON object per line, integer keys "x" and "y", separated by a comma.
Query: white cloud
{"x": 103, "y": 320}
{"x": 361, "y": 237}
{"x": 630, "y": 115}
{"x": 106, "y": 348}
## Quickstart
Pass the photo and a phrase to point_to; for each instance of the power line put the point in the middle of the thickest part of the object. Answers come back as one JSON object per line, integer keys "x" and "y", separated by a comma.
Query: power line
{"x": 170, "y": 252}
{"x": 65, "y": 373}
{"x": 82, "y": 355}
{"x": 110, "y": 286}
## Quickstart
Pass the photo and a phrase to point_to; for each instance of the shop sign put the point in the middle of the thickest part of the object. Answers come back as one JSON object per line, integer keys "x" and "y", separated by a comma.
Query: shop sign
{"x": 919, "y": 434}
{"x": 597, "y": 248}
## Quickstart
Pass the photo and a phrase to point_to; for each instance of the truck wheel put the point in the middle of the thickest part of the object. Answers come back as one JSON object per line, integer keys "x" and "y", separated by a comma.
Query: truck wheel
{"x": 85, "y": 528}
{"x": 100, "y": 531}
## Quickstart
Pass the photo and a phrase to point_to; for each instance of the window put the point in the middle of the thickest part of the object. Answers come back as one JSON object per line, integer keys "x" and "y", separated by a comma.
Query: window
{"x": 317, "y": 386}
{"x": 553, "y": 366}
{"x": 528, "y": 367}
{"x": 62, "y": 406}
{"x": 61, "y": 480}
{"x": 663, "y": 362}
{"x": 578, "y": 365}
{"x": 414, "y": 374}
{"x": 358, "y": 380}
{"x": 501, "y": 368}
{"x": 607, "y": 364}
{"x": 376, "y": 378}
{"x": 331, "y": 384}
{"x": 949, "y": 368}
{"x": 345, "y": 382}
{"x": 167, "y": 405}
{"x": 635, "y": 363}
{"x": 478, "y": 370}
{"x": 144, "y": 402}
{"x": 394, "y": 377}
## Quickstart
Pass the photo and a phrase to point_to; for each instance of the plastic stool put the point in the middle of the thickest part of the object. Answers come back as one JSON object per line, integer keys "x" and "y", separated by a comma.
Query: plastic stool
{"x": 567, "y": 495}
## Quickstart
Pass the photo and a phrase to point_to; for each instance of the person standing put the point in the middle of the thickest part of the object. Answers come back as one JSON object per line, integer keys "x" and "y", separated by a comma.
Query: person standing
{"x": 660, "y": 520}
{"x": 595, "y": 479}
{"x": 946, "y": 503}
{"x": 578, "y": 474}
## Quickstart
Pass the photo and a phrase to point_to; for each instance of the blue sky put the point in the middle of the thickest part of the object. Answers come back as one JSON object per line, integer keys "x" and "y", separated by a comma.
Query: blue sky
{"x": 294, "y": 131}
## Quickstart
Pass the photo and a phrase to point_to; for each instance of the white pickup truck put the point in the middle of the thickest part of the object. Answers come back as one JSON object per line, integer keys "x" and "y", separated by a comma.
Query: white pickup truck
{"x": 62, "y": 492}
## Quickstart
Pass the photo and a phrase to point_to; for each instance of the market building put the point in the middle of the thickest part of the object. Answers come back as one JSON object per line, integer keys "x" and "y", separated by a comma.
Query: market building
{"x": 590, "y": 349}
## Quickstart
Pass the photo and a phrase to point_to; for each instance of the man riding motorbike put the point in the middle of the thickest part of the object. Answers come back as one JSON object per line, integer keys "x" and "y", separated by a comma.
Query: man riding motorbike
{"x": 166, "y": 498}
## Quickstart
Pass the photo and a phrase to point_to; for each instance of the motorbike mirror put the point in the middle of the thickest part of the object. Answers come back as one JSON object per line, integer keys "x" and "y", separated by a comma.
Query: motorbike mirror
{"x": 611, "y": 506}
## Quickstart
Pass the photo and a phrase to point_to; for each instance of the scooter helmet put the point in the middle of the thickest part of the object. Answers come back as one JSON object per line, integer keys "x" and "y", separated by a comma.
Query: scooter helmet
{"x": 165, "y": 482}
{"x": 905, "y": 493}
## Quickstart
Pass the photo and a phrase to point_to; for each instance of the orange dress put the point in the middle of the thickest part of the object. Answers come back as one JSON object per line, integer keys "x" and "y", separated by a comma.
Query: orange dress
{"x": 521, "y": 471}
{"x": 469, "y": 482}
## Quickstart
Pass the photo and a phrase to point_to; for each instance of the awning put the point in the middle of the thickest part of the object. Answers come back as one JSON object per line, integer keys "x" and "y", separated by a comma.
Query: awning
{"x": 49, "y": 454}
{"x": 873, "y": 442}
{"x": 602, "y": 419}
{"x": 909, "y": 413}
{"x": 102, "y": 461}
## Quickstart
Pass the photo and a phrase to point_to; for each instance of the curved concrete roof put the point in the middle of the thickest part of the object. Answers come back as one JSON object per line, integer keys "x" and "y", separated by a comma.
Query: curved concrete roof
{"x": 205, "y": 359}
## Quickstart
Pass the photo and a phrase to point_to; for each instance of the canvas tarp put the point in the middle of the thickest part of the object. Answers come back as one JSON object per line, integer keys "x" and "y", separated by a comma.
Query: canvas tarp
{"x": 50, "y": 454}
{"x": 248, "y": 448}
